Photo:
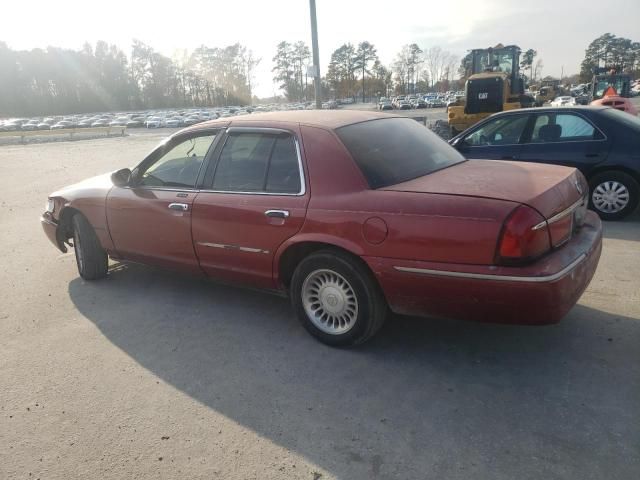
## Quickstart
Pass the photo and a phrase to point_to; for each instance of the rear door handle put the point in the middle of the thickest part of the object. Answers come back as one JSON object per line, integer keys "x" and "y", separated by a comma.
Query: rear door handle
{"x": 508, "y": 157}
{"x": 183, "y": 207}
{"x": 277, "y": 213}
{"x": 592, "y": 155}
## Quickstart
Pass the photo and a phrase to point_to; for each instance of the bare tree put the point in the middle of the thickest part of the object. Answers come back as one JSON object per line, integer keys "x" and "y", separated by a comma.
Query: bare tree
{"x": 433, "y": 59}
{"x": 537, "y": 69}
{"x": 249, "y": 62}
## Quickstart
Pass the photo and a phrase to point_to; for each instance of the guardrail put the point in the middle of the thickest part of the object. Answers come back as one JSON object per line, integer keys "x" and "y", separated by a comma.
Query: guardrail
{"x": 63, "y": 131}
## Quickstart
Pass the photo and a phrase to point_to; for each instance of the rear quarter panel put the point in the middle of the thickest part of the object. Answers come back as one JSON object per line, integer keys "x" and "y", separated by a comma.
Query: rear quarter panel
{"x": 420, "y": 226}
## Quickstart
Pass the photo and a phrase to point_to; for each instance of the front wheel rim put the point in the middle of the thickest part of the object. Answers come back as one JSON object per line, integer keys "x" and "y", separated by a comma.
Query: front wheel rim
{"x": 610, "y": 196}
{"x": 329, "y": 301}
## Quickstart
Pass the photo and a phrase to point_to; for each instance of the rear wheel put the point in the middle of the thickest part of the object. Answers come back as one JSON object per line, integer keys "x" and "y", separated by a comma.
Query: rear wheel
{"x": 336, "y": 299}
{"x": 613, "y": 195}
{"x": 91, "y": 258}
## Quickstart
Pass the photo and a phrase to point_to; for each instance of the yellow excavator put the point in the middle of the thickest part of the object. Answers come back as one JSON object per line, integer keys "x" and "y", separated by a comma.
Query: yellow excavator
{"x": 494, "y": 85}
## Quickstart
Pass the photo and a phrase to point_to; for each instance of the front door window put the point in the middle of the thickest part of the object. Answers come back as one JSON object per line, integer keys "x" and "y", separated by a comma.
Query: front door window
{"x": 505, "y": 130}
{"x": 179, "y": 166}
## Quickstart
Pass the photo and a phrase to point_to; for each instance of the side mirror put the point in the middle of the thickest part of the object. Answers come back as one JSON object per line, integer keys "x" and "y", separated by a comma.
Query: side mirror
{"x": 121, "y": 178}
{"x": 460, "y": 144}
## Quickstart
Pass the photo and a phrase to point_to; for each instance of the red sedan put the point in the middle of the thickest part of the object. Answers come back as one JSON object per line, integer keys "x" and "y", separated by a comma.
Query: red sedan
{"x": 352, "y": 214}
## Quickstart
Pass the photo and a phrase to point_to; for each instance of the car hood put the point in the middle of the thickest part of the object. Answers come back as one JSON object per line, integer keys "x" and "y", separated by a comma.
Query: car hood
{"x": 95, "y": 185}
{"x": 547, "y": 188}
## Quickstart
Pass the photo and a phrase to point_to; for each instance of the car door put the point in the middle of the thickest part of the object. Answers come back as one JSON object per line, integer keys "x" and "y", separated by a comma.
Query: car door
{"x": 565, "y": 138}
{"x": 496, "y": 139}
{"x": 150, "y": 220}
{"x": 254, "y": 198}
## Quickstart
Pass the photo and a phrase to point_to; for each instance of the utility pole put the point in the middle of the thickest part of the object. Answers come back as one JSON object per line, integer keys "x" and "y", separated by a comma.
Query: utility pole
{"x": 316, "y": 54}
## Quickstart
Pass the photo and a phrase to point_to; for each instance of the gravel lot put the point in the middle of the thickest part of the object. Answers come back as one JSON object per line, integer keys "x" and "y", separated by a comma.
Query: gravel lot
{"x": 149, "y": 374}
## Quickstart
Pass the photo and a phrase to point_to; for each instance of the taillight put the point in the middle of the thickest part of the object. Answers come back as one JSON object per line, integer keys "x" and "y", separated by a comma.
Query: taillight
{"x": 525, "y": 236}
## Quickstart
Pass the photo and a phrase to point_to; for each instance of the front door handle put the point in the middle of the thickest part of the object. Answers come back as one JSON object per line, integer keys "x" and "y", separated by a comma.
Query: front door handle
{"x": 277, "y": 213}
{"x": 183, "y": 207}
{"x": 508, "y": 157}
{"x": 592, "y": 155}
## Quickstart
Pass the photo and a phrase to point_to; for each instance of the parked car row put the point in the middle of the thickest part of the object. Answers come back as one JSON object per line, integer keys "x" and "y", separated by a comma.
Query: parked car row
{"x": 177, "y": 118}
{"x": 419, "y": 100}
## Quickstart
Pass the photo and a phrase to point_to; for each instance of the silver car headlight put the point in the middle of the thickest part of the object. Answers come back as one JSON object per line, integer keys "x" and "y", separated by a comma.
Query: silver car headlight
{"x": 51, "y": 205}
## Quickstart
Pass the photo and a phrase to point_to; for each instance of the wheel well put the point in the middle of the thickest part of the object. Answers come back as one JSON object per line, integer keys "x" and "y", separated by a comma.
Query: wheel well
{"x": 65, "y": 228}
{"x": 628, "y": 171}
{"x": 295, "y": 253}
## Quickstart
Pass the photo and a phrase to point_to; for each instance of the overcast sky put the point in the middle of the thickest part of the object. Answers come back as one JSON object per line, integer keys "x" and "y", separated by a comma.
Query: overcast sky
{"x": 559, "y": 30}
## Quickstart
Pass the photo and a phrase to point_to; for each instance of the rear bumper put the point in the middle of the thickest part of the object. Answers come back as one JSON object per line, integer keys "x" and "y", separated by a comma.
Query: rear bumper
{"x": 541, "y": 293}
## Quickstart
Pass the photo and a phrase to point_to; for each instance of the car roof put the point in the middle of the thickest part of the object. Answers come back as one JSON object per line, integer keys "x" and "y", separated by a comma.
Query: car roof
{"x": 327, "y": 119}
{"x": 579, "y": 108}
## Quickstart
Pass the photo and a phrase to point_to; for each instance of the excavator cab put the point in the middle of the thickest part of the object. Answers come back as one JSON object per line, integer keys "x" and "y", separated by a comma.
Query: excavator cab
{"x": 612, "y": 89}
{"x": 620, "y": 82}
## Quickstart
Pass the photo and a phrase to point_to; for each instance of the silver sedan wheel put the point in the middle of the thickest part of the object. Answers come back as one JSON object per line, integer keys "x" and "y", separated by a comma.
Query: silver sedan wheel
{"x": 610, "y": 197}
{"x": 329, "y": 301}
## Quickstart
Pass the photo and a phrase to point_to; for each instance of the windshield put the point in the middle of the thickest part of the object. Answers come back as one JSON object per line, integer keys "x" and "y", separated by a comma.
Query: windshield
{"x": 394, "y": 150}
{"x": 619, "y": 83}
{"x": 496, "y": 62}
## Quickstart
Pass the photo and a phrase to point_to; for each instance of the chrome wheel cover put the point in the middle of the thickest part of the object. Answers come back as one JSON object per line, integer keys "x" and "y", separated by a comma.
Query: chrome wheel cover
{"x": 610, "y": 196}
{"x": 329, "y": 301}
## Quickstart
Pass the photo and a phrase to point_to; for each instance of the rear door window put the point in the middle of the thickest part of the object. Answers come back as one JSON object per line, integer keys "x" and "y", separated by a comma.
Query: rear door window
{"x": 258, "y": 162}
{"x": 563, "y": 127}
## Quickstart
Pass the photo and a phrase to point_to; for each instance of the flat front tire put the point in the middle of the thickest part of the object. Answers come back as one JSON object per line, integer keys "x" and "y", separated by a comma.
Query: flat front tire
{"x": 336, "y": 299}
{"x": 91, "y": 258}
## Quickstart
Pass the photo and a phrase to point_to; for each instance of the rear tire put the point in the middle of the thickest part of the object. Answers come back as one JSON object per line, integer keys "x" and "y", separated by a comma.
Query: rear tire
{"x": 91, "y": 258}
{"x": 613, "y": 195}
{"x": 336, "y": 299}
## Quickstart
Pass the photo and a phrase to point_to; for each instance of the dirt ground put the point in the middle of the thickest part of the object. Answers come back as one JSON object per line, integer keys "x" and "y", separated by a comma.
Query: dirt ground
{"x": 149, "y": 374}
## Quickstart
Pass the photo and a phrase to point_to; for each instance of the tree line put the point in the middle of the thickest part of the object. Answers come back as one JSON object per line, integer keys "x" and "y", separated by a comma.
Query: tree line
{"x": 610, "y": 51}
{"x": 355, "y": 71}
{"x": 102, "y": 78}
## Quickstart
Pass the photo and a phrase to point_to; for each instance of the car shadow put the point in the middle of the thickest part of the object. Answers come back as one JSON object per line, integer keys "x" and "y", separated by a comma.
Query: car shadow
{"x": 627, "y": 229}
{"x": 426, "y": 398}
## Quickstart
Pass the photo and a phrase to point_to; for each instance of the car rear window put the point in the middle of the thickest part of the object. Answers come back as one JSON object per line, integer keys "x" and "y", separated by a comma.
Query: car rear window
{"x": 395, "y": 150}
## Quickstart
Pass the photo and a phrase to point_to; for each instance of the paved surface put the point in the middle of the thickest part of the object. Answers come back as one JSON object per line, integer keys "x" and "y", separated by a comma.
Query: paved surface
{"x": 150, "y": 375}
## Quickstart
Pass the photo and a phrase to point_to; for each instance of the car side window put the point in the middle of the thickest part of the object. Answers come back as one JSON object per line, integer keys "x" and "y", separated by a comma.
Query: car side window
{"x": 283, "y": 175}
{"x": 501, "y": 131}
{"x": 178, "y": 167}
{"x": 562, "y": 127}
{"x": 258, "y": 162}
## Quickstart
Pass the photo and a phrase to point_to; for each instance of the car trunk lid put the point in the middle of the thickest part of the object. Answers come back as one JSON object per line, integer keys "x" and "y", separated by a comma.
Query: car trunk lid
{"x": 550, "y": 189}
